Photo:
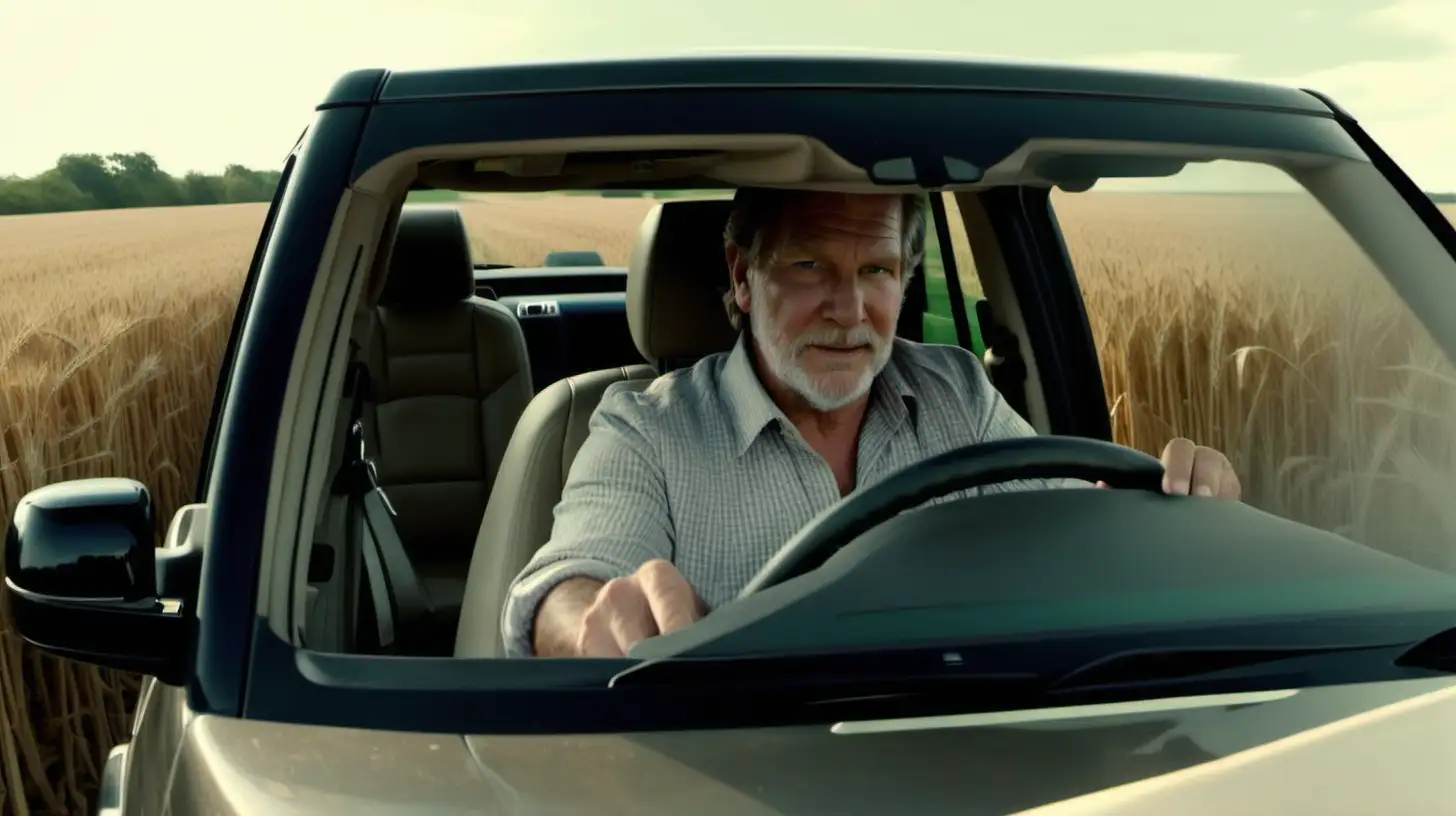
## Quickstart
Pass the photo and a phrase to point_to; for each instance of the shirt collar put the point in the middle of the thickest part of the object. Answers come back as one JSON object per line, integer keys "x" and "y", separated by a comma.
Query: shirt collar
{"x": 752, "y": 409}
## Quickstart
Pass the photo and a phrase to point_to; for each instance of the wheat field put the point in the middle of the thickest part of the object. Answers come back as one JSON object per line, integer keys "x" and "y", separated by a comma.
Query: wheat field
{"x": 1247, "y": 324}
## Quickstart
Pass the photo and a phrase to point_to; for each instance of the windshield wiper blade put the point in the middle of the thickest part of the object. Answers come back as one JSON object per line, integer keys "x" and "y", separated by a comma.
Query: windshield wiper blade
{"x": 1160, "y": 667}
{"x": 1435, "y": 653}
{"x": 840, "y": 686}
{"x": 813, "y": 688}
{"x": 1054, "y": 672}
{"x": 823, "y": 674}
{"x": 1122, "y": 665}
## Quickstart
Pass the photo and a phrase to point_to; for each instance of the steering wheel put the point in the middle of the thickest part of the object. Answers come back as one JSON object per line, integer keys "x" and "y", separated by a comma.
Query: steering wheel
{"x": 1004, "y": 460}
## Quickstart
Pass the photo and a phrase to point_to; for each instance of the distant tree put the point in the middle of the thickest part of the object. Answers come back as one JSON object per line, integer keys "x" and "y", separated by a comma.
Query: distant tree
{"x": 242, "y": 184}
{"x": 93, "y": 176}
{"x": 59, "y": 192}
{"x": 48, "y": 192}
{"x": 88, "y": 181}
{"x": 142, "y": 182}
{"x": 199, "y": 188}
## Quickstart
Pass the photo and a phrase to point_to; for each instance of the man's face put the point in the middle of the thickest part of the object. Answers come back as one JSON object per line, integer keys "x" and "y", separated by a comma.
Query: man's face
{"x": 824, "y": 295}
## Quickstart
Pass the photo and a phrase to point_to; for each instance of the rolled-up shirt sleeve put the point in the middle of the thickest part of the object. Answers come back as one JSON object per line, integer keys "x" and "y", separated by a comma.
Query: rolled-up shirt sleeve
{"x": 613, "y": 515}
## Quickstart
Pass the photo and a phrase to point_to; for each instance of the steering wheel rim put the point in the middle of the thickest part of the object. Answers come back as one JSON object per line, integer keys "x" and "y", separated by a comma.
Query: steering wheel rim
{"x": 1002, "y": 460}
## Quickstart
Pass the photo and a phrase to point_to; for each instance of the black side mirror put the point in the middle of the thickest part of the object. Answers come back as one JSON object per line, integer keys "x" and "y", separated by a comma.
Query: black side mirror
{"x": 86, "y": 581}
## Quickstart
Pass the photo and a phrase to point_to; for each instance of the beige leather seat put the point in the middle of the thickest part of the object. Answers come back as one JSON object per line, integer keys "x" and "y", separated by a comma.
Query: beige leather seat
{"x": 675, "y": 280}
{"x": 450, "y": 376}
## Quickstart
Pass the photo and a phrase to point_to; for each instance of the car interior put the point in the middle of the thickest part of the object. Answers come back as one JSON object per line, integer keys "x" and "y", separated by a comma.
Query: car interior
{"x": 472, "y": 373}
{"x": 470, "y": 385}
{"x": 475, "y": 382}
{"x": 468, "y": 397}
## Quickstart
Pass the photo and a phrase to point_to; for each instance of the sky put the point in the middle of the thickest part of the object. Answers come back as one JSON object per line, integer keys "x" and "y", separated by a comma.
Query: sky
{"x": 200, "y": 86}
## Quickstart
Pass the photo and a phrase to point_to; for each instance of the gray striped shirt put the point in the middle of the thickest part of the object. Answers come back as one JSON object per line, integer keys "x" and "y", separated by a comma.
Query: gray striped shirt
{"x": 703, "y": 469}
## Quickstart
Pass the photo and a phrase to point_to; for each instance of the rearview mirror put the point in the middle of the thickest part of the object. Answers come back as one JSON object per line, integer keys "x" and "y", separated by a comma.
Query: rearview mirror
{"x": 85, "y": 579}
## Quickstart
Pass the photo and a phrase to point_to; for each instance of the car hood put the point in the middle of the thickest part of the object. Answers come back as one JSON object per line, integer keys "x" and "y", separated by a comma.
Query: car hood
{"x": 1343, "y": 749}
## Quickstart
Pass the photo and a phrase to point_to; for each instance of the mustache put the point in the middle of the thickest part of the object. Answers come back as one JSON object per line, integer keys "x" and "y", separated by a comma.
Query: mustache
{"x": 837, "y": 337}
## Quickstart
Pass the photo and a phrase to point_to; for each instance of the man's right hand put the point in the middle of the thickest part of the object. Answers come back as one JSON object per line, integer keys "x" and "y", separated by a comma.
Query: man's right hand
{"x": 583, "y": 617}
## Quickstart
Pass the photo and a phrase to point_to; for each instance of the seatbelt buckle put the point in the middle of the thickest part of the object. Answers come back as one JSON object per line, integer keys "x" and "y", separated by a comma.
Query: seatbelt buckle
{"x": 361, "y": 474}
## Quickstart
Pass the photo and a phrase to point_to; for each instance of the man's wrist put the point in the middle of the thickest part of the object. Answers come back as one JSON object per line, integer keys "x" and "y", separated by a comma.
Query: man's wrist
{"x": 526, "y": 595}
{"x": 557, "y": 625}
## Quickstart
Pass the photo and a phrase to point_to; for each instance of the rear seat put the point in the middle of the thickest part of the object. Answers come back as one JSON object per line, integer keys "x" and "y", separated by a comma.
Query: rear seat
{"x": 450, "y": 376}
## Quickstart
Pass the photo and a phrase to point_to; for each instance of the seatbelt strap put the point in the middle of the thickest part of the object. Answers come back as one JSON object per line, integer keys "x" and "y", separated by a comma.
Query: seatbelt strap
{"x": 374, "y": 580}
{"x": 411, "y": 602}
{"x": 400, "y": 599}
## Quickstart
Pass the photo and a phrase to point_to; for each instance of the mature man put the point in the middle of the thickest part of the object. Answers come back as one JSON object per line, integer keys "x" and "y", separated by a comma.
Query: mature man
{"x": 682, "y": 491}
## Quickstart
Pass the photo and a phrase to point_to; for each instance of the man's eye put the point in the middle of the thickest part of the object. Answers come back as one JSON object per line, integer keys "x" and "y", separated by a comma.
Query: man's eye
{"x": 878, "y": 270}
{"x": 805, "y": 264}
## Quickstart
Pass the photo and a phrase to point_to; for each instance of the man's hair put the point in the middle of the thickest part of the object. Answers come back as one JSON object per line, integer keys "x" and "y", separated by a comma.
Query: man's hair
{"x": 757, "y": 210}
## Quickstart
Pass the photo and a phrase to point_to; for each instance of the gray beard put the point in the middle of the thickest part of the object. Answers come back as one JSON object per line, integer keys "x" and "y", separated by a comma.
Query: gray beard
{"x": 781, "y": 355}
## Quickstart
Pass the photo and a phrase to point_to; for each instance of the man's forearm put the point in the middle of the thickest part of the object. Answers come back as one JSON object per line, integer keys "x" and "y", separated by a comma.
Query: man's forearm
{"x": 558, "y": 619}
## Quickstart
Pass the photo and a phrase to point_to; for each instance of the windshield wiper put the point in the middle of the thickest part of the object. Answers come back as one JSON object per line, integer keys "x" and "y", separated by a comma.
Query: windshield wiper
{"x": 824, "y": 679}
{"x": 1369, "y": 660}
{"x": 1140, "y": 668}
{"x": 1035, "y": 673}
{"x": 1434, "y": 653}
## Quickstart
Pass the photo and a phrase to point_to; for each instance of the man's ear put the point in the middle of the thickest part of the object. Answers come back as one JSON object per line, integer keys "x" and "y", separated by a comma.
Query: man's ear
{"x": 738, "y": 276}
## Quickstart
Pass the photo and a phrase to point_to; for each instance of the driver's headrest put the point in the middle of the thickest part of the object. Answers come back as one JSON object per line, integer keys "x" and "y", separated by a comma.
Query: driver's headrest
{"x": 676, "y": 278}
{"x": 431, "y": 264}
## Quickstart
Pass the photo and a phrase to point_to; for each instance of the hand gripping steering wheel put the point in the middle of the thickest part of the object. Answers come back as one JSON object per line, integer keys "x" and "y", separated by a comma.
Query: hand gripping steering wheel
{"x": 1004, "y": 460}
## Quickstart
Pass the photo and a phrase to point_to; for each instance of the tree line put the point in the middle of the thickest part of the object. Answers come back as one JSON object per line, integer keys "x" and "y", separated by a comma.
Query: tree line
{"x": 89, "y": 181}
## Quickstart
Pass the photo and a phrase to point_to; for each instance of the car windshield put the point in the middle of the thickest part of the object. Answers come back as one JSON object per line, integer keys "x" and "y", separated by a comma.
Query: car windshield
{"x": 1226, "y": 305}
{"x": 1275, "y": 312}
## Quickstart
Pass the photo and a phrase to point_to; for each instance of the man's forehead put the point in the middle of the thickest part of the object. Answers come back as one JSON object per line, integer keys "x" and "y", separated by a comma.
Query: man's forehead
{"x": 823, "y": 214}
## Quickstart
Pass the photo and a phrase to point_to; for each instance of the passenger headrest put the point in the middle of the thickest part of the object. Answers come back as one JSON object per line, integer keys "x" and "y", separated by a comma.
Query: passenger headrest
{"x": 431, "y": 264}
{"x": 676, "y": 278}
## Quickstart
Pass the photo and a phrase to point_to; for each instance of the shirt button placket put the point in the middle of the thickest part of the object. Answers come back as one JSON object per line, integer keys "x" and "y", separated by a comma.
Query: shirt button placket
{"x": 815, "y": 475}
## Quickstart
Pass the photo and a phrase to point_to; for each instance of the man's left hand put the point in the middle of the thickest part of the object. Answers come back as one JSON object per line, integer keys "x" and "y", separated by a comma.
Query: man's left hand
{"x": 1190, "y": 469}
{"x": 1199, "y": 471}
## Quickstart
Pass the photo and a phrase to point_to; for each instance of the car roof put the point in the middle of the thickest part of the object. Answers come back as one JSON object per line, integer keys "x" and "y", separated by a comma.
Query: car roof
{"x": 868, "y": 70}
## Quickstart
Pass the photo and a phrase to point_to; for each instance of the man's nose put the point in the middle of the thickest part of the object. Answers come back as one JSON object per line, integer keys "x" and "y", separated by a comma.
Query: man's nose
{"x": 845, "y": 304}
